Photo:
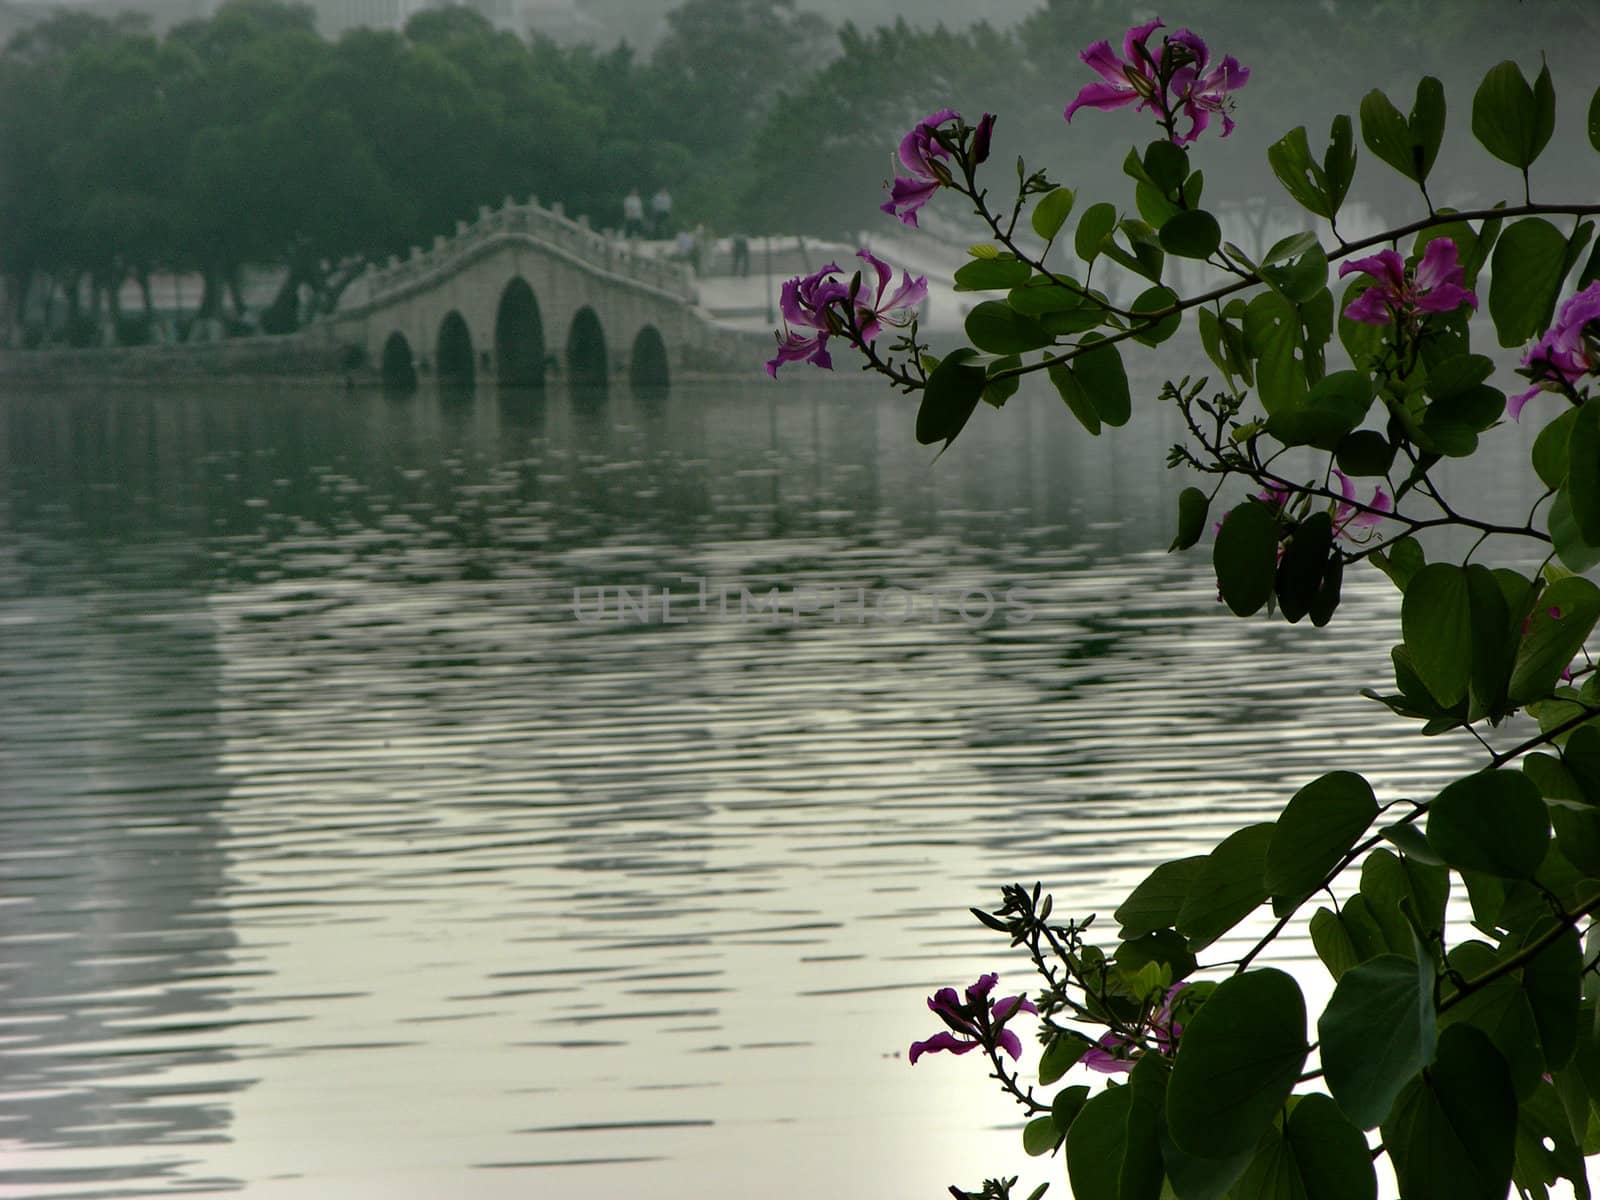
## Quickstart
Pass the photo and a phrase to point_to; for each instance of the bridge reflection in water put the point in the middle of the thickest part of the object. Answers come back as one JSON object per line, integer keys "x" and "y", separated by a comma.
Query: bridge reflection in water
{"x": 523, "y": 293}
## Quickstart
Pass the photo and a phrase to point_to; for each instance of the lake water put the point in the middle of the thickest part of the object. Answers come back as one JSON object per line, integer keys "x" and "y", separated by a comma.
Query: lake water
{"x": 343, "y": 855}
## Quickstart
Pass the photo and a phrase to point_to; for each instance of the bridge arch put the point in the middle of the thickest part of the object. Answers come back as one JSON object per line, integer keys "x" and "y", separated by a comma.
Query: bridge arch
{"x": 588, "y": 360}
{"x": 399, "y": 364}
{"x": 647, "y": 365}
{"x": 453, "y": 356}
{"x": 519, "y": 336}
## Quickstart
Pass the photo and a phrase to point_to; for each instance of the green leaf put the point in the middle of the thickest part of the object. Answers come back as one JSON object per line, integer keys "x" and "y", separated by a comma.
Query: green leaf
{"x": 1360, "y": 340}
{"x": 1239, "y": 1058}
{"x": 1059, "y": 1057}
{"x": 1290, "y": 246}
{"x": 950, "y": 397}
{"x": 1154, "y": 300}
{"x": 1500, "y": 1011}
{"x": 1051, "y": 212}
{"x": 1113, "y": 1147}
{"x": 1546, "y": 1148}
{"x": 1339, "y": 161}
{"x": 1245, "y": 555}
{"x": 1530, "y": 260}
{"x": 1319, "y": 825}
{"x": 1094, "y": 227}
{"x": 1228, "y": 887}
{"x": 1377, "y": 1032}
{"x": 992, "y": 274}
{"x": 1039, "y": 296}
{"x": 1144, "y": 255}
{"x": 1156, "y": 902}
{"x": 1401, "y": 562}
{"x": 1554, "y": 989}
{"x": 1403, "y": 895}
{"x": 1067, "y": 1104}
{"x": 1513, "y": 121}
{"x": 1272, "y": 335}
{"x": 1583, "y": 472}
{"x": 1192, "y": 233}
{"x": 1494, "y": 821}
{"x": 1551, "y": 446}
{"x": 1331, "y": 1153}
{"x": 1329, "y": 412}
{"x": 1096, "y": 1144}
{"x": 1493, "y": 644}
{"x": 998, "y": 391}
{"x": 1163, "y": 947}
{"x": 1195, "y": 1178}
{"x": 1166, "y": 165}
{"x": 1594, "y": 120}
{"x": 1193, "y": 505}
{"x": 1303, "y": 565}
{"x": 1578, "y": 833}
{"x": 1551, "y": 641}
{"x": 1343, "y": 941}
{"x": 1452, "y": 1132}
{"x": 1365, "y": 452}
{"x": 1100, "y": 370}
{"x": 1291, "y": 161}
{"x": 1436, "y": 622}
{"x": 1574, "y": 550}
{"x": 1411, "y": 842}
{"x": 1077, "y": 400}
{"x": 1409, "y": 145}
{"x": 997, "y": 328}
{"x": 1039, "y": 1136}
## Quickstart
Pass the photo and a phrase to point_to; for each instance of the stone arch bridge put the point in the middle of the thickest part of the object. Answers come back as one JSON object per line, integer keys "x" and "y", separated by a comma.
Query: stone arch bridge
{"x": 524, "y": 294}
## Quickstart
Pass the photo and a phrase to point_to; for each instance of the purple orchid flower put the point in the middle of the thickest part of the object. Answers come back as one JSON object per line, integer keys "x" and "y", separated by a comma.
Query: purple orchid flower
{"x": 870, "y": 319}
{"x": 1134, "y": 76}
{"x": 1202, "y": 92}
{"x": 1569, "y": 349}
{"x": 1179, "y": 76}
{"x": 1346, "y": 514}
{"x": 921, "y": 155}
{"x": 1114, "y": 1054}
{"x": 805, "y": 304}
{"x": 818, "y": 303}
{"x": 978, "y": 1022}
{"x": 1435, "y": 286}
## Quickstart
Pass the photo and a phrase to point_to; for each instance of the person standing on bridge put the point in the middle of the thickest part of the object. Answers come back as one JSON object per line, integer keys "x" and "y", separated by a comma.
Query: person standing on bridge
{"x": 661, "y": 212}
{"x": 632, "y": 214}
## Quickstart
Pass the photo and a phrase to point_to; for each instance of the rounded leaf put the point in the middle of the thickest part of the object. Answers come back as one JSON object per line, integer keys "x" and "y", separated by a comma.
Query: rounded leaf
{"x": 1377, "y": 1032}
{"x": 1452, "y": 1134}
{"x": 1051, "y": 212}
{"x": 1193, "y": 504}
{"x": 1239, "y": 1058}
{"x": 1330, "y": 1152}
{"x": 1436, "y": 623}
{"x": 1192, "y": 233}
{"x": 997, "y": 328}
{"x": 1495, "y": 822}
{"x": 950, "y": 397}
{"x": 1245, "y": 556}
{"x": 1319, "y": 825}
{"x": 1228, "y": 886}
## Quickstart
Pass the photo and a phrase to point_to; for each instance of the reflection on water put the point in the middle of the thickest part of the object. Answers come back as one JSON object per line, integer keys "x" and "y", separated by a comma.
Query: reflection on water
{"x": 339, "y": 857}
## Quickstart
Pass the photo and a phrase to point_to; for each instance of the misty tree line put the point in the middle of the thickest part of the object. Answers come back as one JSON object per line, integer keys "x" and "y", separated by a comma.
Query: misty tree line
{"x": 247, "y": 139}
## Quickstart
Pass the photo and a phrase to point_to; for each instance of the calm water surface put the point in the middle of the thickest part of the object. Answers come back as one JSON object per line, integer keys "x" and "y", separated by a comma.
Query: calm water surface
{"x": 340, "y": 858}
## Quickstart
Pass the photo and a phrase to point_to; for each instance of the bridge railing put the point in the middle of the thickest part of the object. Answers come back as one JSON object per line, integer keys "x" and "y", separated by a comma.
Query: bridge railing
{"x": 547, "y": 225}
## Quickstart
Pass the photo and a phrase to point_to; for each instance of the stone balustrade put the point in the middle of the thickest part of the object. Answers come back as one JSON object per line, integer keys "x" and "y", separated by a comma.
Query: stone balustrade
{"x": 548, "y": 225}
